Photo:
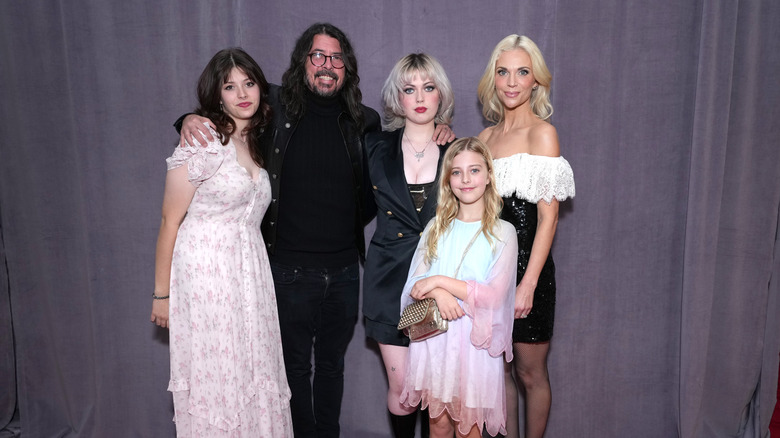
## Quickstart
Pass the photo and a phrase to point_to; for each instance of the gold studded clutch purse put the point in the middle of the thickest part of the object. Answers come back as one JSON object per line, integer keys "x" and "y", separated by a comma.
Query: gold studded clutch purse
{"x": 422, "y": 320}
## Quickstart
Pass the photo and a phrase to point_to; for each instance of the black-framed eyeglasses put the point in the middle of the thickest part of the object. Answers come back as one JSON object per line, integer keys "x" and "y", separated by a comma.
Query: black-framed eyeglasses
{"x": 318, "y": 60}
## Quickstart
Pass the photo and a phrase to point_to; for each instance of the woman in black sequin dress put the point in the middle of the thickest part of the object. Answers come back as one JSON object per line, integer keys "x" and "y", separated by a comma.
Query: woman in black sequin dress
{"x": 532, "y": 178}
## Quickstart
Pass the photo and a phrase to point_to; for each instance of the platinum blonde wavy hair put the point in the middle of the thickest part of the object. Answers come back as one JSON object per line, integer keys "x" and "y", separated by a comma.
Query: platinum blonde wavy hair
{"x": 402, "y": 74}
{"x": 448, "y": 206}
{"x": 492, "y": 108}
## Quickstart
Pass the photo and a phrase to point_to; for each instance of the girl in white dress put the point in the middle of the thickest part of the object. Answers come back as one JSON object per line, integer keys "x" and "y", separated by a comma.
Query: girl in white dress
{"x": 465, "y": 261}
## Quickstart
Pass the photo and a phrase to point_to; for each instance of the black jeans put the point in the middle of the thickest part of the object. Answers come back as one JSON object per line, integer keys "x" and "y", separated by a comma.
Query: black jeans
{"x": 318, "y": 309}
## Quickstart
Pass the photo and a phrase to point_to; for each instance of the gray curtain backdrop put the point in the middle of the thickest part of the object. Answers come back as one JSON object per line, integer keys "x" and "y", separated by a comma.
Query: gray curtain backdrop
{"x": 668, "y": 258}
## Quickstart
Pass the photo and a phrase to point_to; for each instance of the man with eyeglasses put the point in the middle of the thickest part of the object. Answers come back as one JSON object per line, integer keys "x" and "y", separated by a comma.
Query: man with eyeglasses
{"x": 313, "y": 228}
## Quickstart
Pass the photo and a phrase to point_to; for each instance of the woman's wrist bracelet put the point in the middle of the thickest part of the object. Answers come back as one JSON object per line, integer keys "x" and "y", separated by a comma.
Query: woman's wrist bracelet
{"x": 156, "y": 297}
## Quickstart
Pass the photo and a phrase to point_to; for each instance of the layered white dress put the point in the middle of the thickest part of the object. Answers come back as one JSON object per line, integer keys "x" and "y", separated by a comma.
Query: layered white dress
{"x": 462, "y": 370}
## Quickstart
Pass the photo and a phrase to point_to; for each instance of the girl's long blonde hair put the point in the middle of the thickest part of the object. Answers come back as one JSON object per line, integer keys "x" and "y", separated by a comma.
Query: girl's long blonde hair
{"x": 448, "y": 206}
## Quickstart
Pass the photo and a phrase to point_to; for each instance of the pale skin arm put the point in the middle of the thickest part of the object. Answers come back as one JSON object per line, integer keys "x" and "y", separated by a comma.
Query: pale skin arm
{"x": 485, "y": 134}
{"x": 544, "y": 141}
{"x": 192, "y": 130}
{"x": 178, "y": 195}
{"x": 444, "y": 290}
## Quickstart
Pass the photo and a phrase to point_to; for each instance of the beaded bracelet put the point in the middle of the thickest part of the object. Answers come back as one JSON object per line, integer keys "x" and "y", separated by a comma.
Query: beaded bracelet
{"x": 154, "y": 295}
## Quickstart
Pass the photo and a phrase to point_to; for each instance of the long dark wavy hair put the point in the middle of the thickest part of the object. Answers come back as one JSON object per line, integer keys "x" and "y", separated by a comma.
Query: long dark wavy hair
{"x": 293, "y": 81}
{"x": 210, "y": 84}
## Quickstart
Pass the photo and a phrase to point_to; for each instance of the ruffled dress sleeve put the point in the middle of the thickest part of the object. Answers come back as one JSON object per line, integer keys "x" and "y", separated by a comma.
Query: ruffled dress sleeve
{"x": 490, "y": 301}
{"x": 202, "y": 162}
{"x": 534, "y": 177}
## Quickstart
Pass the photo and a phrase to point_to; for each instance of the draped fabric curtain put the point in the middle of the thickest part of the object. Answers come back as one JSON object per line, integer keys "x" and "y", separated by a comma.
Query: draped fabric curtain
{"x": 668, "y": 259}
{"x": 729, "y": 329}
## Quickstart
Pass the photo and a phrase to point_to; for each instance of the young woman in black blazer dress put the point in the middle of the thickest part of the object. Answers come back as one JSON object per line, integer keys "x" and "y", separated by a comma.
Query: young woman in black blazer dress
{"x": 403, "y": 164}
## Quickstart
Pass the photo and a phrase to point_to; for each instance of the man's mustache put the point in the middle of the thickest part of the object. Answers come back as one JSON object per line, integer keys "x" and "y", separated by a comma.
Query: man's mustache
{"x": 328, "y": 73}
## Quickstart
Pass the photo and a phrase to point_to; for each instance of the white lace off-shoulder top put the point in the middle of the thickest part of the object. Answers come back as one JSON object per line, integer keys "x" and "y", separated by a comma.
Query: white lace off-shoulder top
{"x": 534, "y": 177}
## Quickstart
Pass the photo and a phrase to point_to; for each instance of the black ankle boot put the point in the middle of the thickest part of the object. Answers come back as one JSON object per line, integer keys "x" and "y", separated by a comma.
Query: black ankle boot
{"x": 403, "y": 425}
{"x": 425, "y": 427}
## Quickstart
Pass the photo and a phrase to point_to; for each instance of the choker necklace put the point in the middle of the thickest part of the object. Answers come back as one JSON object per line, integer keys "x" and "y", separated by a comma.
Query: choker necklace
{"x": 417, "y": 154}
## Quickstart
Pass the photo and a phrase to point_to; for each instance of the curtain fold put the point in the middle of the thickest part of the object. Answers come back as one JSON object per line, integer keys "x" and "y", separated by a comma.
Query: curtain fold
{"x": 734, "y": 194}
{"x": 767, "y": 388}
{"x": 714, "y": 68}
{"x": 7, "y": 351}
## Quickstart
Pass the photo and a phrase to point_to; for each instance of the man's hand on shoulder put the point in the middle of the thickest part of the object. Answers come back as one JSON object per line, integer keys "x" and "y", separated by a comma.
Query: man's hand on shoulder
{"x": 443, "y": 134}
{"x": 192, "y": 130}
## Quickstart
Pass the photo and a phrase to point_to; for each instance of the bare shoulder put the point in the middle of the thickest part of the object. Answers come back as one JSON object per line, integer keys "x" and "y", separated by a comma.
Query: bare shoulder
{"x": 543, "y": 140}
{"x": 486, "y": 133}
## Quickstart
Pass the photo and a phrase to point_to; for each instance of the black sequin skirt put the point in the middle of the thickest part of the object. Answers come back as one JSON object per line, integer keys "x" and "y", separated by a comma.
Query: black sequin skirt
{"x": 538, "y": 326}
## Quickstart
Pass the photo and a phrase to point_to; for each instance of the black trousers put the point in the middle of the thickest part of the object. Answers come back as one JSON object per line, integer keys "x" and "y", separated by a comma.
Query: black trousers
{"x": 318, "y": 309}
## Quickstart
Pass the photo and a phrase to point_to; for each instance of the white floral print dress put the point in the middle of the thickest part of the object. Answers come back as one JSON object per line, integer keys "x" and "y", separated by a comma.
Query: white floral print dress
{"x": 227, "y": 370}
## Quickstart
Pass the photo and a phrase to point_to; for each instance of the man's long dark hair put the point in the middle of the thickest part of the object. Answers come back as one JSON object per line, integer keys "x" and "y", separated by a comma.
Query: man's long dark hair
{"x": 210, "y": 84}
{"x": 293, "y": 81}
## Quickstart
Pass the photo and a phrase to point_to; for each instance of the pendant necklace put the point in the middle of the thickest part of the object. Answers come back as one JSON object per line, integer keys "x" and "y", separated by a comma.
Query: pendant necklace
{"x": 240, "y": 140}
{"x": 417, "y": 154}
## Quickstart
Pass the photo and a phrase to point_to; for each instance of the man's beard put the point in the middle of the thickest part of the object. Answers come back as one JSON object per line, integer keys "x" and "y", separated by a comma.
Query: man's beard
{"x": 320, "y": 92}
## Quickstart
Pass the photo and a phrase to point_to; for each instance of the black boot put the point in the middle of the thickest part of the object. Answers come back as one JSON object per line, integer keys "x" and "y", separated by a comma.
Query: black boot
{"x": 425, "y": 426}
{"x": 403, "y": 425}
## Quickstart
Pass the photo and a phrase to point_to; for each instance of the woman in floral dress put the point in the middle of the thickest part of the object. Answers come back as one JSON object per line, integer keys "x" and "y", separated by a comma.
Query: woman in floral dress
{"x": 227, "y": 372}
